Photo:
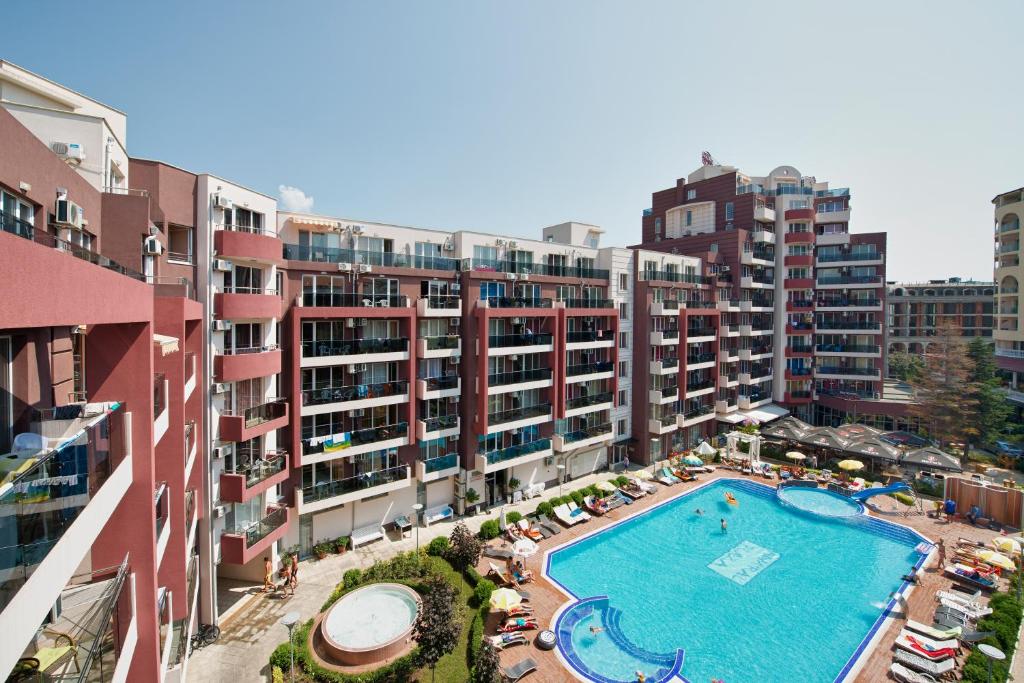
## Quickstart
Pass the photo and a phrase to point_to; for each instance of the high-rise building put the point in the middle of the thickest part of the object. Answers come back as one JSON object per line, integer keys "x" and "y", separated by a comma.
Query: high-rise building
{"x": 1009, "y": 272}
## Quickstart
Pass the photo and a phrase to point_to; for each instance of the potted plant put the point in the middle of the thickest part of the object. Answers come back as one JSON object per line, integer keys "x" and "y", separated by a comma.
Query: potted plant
{"x": 513, "y": 486}
{"x": 341, "y": 544}
{"x": 472, "y": 497}
{"x": 322, "y": 548}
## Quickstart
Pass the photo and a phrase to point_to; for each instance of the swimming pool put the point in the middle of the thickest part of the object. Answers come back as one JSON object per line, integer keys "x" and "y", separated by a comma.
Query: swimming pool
{"x": 780, "y": 595}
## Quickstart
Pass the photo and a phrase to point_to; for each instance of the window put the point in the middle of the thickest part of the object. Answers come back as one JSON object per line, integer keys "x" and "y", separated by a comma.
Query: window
{"x": 689, "y": 218}
{"x": 17, "y": 216}
{"x": 484, "y": 256}
{"x": 730, "y": 211}
{"x": 279, "y": 280}
{"x": 623, "y": 397}
{"x": 623, "y": 340}
{"x": 244, "y": 338}
{"x": 179, "y": 243}
{"x": 621, "y": 427}
{"x": 657, "y": 226}
{"x": 243, "y": 280}
{"x": 243, "y": 220}
{"x": 624, "y": 282}
{"x": 624, "y": 311}
{"x": 691, "y": 194}
{"x": 623, "y": 368}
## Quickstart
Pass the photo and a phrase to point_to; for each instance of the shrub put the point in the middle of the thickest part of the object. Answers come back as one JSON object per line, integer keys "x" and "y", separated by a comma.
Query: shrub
{"x": 341, "y": 543}
{"x": 438, "y": 625}
{"x": 513, "y": 517}
{"x": 482, "y": 592}
{"x": 323, "y": 548}
{"x": 473, "y": 576}
{"x": 904, "y": 498}
{"x": 352, "y": 578}
{"x": 277, "y": 675}
{"x": 398, "y": 671}
{"x": 621, "y": 480}
{"x": 489, "y": 529}
{"x": 576, "y": 497}
{"x": 556, "y": 501}
{"x": 487, "y": 668}
{"x": 476, "y": 635}
{"x": 437, "y": 546}
{"x": 545, "y": 509}
{"x": 464, "y": 548}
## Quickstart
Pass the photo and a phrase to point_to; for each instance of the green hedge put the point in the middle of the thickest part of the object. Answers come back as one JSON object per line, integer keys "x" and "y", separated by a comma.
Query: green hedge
{"x": 546, "y": 509}
{"x": 482, "y": 592}
{"x": 398, "y": 671}
{"x": 513, "y": 517}
{"x": 1005, "y": 620}
{"x": 438, "y": 546}
{"x": 489, "y": 530}
{"x": 476, "y": 634}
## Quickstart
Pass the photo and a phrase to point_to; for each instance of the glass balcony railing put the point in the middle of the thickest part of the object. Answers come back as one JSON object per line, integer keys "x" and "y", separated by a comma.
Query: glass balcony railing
{"x": 261, "y": 470}
{"x": 669, "y": 276}
{"x": 354, "y": 392}
{"x": 837, "y": 192}
{"x": 353, "y": 347}
{"x": 590, "y": 368}
{"x": 525, "y": 413}
{"x": 518, "y": 377}
{"x": 799, "y": 371}
{"x": 354, "y": 300}
{"x": 697, "y": 412}
{"x": 847, "y": 348}
{"x": 848, "y": 256}
{"x": 443, "y": 301}
{"x": 666, "y": 420}
{"x": 845, "y": 302}
{"x": 297, "y": 252}
{"x": 700, "y": 332}
{"x": 592, "y": 400}
{"x": 587, "y": 433}
{"x": 438, "y": 464}
{"x": 39, "y": 504}
{"x": 450, "y": 341}
{"x": 799, "y": 394}
{"x": 506, "y": 340}
{"x": 577, "y": 337}
{"x": 837, "y": 370}
{"x": 441, "y": 383}
{"x": 554, "y": 270}
{"x": 436, "y": 424}
{"x": 510, "y": 453}
{"x": 254, "y": 533}
{"x": 358, "y": 437}
{"x": 801, "y": 348}
{"x": 847, "y": 325}
{"x": 700, "y": 384}
{"x": 695, "y": 358}
{"x": 359, "y": 482}
{"x": 588, "y": 303}
{"x": 254, "y": 416}
{"x": 670, "y": 333}
{"x": 849, "y": 279}
{"x": 518, "y": 302}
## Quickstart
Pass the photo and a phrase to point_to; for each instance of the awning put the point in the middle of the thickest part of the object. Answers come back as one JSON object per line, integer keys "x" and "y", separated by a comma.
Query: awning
{"x": 765, "y": 413}
{"x": 788, "y": 428}
{"x": 167, "y": 344}
{"x": 932, "y": 458}
{"x": 304, "y": 220}
{"x": 874, "y": 447}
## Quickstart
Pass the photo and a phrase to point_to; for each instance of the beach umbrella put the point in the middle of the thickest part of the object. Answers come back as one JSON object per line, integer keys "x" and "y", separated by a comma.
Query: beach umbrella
{"x": 850, "y": 465}
{"x": 693, "y": 461}
{"x": 706, "y": 449}
{"x": 643, "y": 474}
{"x": 796, "y": 455}
{"x": 996, "y": 559}
{"x": 524, "y": 547}
{"x": 605, "y": 486}
{"x": 1006, "y": 544}
{"x": 505, "y": 599}
{"x": 502, "y": 523}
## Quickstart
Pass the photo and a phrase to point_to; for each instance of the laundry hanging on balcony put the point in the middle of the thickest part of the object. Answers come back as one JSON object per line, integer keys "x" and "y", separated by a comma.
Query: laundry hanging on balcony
{"x": 332, "y": 443}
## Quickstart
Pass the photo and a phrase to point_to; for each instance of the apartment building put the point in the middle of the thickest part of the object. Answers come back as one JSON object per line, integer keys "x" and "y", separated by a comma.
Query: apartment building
{"x": 917, "y": 309}
{"x": 1008, "y": 334}
{"x": 804, "y": 295}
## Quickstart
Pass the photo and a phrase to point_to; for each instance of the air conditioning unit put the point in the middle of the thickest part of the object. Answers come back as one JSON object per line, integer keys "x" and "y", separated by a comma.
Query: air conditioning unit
{"x": 384, "y": 303}
{"x": 151, "y": 246}
{"x": 510, "y": 276}
{"x": 68, "y": 213}
{"x": 222, "y": 266}
{"x": 512, "y": 244}
{"x": 221, "y": 451}
{"x": 514, "y": 357}
{"x": 456, "y": 287}
{"x": 350, "y": 322}
{"x": 357, "y": 367}
{"x": 524, "y": 276}
{"x": 453, "y": 322}
{"x": 368, "y": 303}
{"x": 219, "y": 511}
{"x": 345, "y": 267}
{"x": 448, "y": 246}
{"x": 453, "y": 437}
{"x": 221, "y": 202}
{"x": 220, "y": 387}
{"x": 69, "y": 151}
{"x": 517, "y": 321}
{"x": 221, "y": 325}
{"x": 365, "y": 268}
{"x": 358, "y": 412}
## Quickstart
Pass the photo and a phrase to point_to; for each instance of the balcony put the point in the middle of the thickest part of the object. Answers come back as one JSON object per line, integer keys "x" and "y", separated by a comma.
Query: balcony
{"x": 849, "y": 304}
{"x": 588, "y": 404}
{"x": 725, "y": 305}
{"x": 663, "y": 395}
{"x": 368, "y": 259}
{"x": 726, "y": 405}
{"x": 796, "y": 350}
{"x": 246, "y": 305}
{"x": 695, "y": 416}
{"x": 59, "y": 498}
{"x": 673, "y": 276}
{"x": 799, "y": 238}
{"x": 840, "y": 216}
{"x": 731, "y": 379}
{"x": 696, "y": 361}
{"x": 354, "y": 351}
{"x": 437, "y": 468}
{"x": 699, "y": 388}
{"x": 449, "y": 346}
{"x": 698, "y": 335}
{"x": 833, "y": 239}
{"x": 764, "y": 214}
{"x": 353, "y": 300}
{"x": 439, "y": 306}
{"x": 662, "y": 425}
{"x": 800, "y": 306}
{"x": 242, "y": 545}
{"x": 799, "y": 328}
{"x": 848, "y": 326}
{"x": 341, "y": 491}
{"x": 839, "y": 372}
{"x": 798, "y": 215}
{"x": 246, "y": 244}
{"x": 437, "y": 427}
{"x": 665, "y": 367}
{"x": 585, "y": 303}
{"x": 519, "y": 380}
{"x": 587, "y": 372}
{"x": 356, "y": 442}
{"x": 764, "y": 304}
{"x": 589, "y": 339}
{"x": 667, "y": 307}
{"x": 254, "y": 421}
{"x": 797, "y": 397}
{"x": 754, "y": 401}
{"x": 515, "y": 418}
{"x": 233, "y": 365}
{"x": 583, "y": 438}
{"x": 512, "y": 344}
{"x": 763, "y": 236}
{"x": 799, "y": 373}
{"x": 756, "y": 282}
{"x": 354, "y": 397}
{"x": 254, "y": 478}
{"x": 862, "y": 350}
{"x": 504, "y": 458}
{"x": 798, "y": 260}
{"x": 514, "y": 302}
{"x": 551, "y": 270}
{"x": 758, "y": 256}
{"x": 438, "y": 387}
{"x": 863, "y": 258}
{"x": 840, "y": 281}
{"x": 665, "y": 337}
{"x": 798, "y": 283}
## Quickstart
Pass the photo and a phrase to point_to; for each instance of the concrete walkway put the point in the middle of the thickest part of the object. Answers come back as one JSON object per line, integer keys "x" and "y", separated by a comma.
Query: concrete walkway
{"x": 251, "y": 633}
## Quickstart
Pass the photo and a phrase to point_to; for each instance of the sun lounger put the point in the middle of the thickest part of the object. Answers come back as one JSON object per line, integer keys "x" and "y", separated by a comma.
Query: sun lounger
{"x": 632, "y": 491}
{"x": 503, "y": 578}
{"x": 972, "y": 613}
{"x": 576, "y": 511}
{"x": 932, "y": 632}
{"x": 517, "y": 671}
{"x": 626, "y": 500}
{"x": 645, "y": 486}
{"x": 529, "y": 531}
{"x": 919, "y": 663}
{"x": 366, "y": 534}
{"x": 592, "y": 505}
{"x": 437, "y": 514}
{"x": 906, "y": 675}
{"x": 564, "y": 515}
{"x": 951, "y": 619}
{"x": 666, "y": 477}
{"x": 615, "y": 501}
{"x": 969, "y": 576}
{"x": 960, "y": 598}
{"x": 934, "y": 650}
{"x": 543, "y": 530}
{"x": 503, "y": 640}
{"x": 549, "y": 525}
{"x": 497, "y": 553}
{"x": 519, "y": 624}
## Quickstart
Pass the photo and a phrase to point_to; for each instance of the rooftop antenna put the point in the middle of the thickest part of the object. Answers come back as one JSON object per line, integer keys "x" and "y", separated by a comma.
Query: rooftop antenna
{"x": 706, "y": 159}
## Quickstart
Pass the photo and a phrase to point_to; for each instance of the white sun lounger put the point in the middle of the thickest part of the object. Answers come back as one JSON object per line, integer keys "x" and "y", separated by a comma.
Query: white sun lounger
{"x": 366, "y": 534}
{"x": 576, "y": 511}
{"x": 645, "y": 486}
{"x": 905, "y": 675}
{"x": 919, "y": 663}
{"x": 973, "y": 613}
{"x": 933, "y": 632}
{"x": 903, "y": 641}
{"x": 964, "y": 600}
{"x": 564, "y": 515}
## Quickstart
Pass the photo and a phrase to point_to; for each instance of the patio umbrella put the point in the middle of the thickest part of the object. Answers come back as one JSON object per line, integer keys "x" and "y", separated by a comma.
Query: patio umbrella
{"x": 505, "y": 599}
{"x": 524, "y": 547}
{"x": 1007, "y": 545}
{"x": 996, "y": 559}
{"x": 605, "y": 486}
{"x": 693, "y": 461}
{"x": 706, "y": 449}
{"x": 850, "y": 465}
{"x": 502, "y": 522}
{"x": 643, "y": 474}
{"x": 796, "y": 455}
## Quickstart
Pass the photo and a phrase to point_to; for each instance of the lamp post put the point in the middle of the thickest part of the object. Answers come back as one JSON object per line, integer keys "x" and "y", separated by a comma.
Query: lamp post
{"x": 561, "y": 476}
{"x": 990, "y": 654}
{"x": 417, "y": 508}
{"x": 288, "y": 621}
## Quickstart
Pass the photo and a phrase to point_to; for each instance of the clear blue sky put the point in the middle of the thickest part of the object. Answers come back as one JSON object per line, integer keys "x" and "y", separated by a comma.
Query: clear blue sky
{"x": 509, "y": 116}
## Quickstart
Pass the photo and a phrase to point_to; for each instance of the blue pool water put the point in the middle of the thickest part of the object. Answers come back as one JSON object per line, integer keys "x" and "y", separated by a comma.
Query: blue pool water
{"x": 782, "y": 595}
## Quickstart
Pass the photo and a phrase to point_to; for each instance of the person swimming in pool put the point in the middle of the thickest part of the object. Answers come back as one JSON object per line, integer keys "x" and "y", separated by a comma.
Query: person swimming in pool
{"x": 725, "y": 525}
{"x": 640, "y": 677}
{"x": 596, "y": 629}
{"x": 698, "y": 512}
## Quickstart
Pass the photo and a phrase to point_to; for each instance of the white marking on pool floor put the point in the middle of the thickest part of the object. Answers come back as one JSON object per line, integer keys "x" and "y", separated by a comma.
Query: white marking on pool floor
{"x": 741, "y": 564}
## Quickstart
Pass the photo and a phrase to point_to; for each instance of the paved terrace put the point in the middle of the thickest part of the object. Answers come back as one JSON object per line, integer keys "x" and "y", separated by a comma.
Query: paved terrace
{"x": 251, "y": 633}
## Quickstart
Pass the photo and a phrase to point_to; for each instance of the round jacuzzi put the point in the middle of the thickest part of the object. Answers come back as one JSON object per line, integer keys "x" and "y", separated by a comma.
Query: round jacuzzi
{"x": 819, "y": 501}
{"x": 370, "y": 624}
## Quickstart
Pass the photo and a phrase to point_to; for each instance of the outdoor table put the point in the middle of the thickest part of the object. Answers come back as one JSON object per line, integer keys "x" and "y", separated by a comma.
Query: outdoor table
{"x": 403, "y": 524}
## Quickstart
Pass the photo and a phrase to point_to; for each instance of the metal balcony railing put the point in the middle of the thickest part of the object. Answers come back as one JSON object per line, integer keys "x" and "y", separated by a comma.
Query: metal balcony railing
{"x": 359, "y": 482}
{"x": 575, "y": 337}
{"x": 443, "y": 301}
{"x": 593, "y": 400}
{"x": 518, "y": 302}
{"x": 511, "y": 452}
{"x": 847, "y": 348}
{"x": 354, "y": 300}
{"x": 590, "y": 368}
{"x": 539, "y": 269}
{"x": 254, "y": 416}
{"x": 506, "y": 340}
{"x": 254, "y": 533}
{"x": 515, "y": 414}
{"x": 296, "y": 252}
{"x": 588, "y": 303}
{"x": 434, "y": 424}
{"x": 587, "y": 433}
{"x": 440, "y": 383}
{"x": 518, "y": 377}
{"x": 352, "y": 347}
{"x": 443, "y": 462}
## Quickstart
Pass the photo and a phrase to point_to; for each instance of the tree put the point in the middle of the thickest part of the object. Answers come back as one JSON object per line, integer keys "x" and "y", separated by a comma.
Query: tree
{"x": 488, "y": 665}
{"x": 945, "y": 399}
{"x": 905, "y": 366}
{"x": 463, "y": 548}
{"x": 993, "y": 409}
{"x": 438, "y": 625}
